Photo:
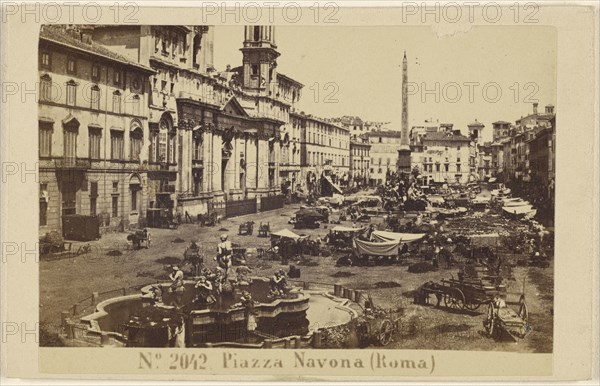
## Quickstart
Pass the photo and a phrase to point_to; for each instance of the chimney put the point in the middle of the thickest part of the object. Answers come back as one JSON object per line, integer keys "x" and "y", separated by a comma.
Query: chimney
{"x": 535, "y": 106}
{"x": 86, "y": 34}
{"x": 72, "y": 31}
{"x": 549, "y": 109}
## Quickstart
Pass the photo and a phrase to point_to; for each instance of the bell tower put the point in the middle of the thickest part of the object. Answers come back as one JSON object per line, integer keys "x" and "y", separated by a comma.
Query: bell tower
{"x": 259, "y": 57}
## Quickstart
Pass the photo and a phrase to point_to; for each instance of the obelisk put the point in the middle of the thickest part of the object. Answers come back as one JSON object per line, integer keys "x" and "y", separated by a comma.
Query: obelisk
{"x": 404, "y": 150}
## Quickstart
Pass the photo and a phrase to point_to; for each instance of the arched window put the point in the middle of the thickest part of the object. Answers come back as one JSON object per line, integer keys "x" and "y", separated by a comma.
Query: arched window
{"x": 95, "y": 97}
{"x": 166, "y": 140}
{"x": 71, "y": 93}
{"x": 45, "y": 88}
{"x": 135, "y": 105}
{"x": 135, "y": 188}
{"x": 117, "y": 102}
{"x": 136, "y": 140}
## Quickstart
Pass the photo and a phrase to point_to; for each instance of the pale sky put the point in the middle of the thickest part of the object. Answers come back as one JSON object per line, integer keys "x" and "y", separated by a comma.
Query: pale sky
{"x": 365, "y": 63}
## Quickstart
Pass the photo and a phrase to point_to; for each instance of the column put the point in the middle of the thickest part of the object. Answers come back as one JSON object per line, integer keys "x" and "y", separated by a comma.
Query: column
{"x": 277, "y": 161}
{"x": 216, "y": 162}
{"x": 208, "y": 166}
{"x": 186, "y": 160}
{"x": 237, "y": 147}
{"x": 263, "y": 164}
{"x": 230, "y": 172}
{"x": 251, "y": 166}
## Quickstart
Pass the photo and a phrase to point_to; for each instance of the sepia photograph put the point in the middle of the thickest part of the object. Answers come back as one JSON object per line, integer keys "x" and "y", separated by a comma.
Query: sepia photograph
{"x": 297, "y": 187}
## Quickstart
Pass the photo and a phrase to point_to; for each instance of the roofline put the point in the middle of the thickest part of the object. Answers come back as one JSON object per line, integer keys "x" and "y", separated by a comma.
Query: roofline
{"x": 290, "y": 79}
{"x": 89, "y": 52}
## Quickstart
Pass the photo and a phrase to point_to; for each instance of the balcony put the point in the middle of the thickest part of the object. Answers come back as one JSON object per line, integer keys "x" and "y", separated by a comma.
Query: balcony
{"x": 197, "y": 163}
{"x": 73, "y": 163}
{"x": 167, "y": 189}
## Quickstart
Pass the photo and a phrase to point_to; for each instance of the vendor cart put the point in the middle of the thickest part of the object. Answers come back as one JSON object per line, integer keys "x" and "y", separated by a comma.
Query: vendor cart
{"x": 264, "y": 230}
{"x": 340, "y": 237}
{"x": 502, "y": 320}
{"x": 139, "y": 238}
{"x": 246, "y": 228}
{"x": 377, "y": 326}
{"x": 460, "y": 294}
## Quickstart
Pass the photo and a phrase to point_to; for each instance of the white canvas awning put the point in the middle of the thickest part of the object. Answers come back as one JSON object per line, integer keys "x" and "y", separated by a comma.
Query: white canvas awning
{"x": 340, "y": 228}
{"x": 398, "y": 237}
{"x": 287, "y": 234}
{"x": 335, "y": 187}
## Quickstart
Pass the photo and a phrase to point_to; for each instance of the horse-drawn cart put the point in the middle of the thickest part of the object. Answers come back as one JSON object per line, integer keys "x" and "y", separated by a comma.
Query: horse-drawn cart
{"x": 139, "y": 238}
{"x": 459, "y": 294}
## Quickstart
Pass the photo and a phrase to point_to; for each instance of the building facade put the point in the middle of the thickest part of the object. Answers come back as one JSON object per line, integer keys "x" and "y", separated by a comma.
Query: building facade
{"x": 442, "y": 156}
{"x": 475, "y": 129}
{"x": 357, "y": 126}
{"x": 93, "y": 124}
{"x": 324, "y": 150}
{"x": 360, "y": 161}
{"x": 135, "y": 120}
{"x": 384, "y": 154}
{"x": 516, "y": 153}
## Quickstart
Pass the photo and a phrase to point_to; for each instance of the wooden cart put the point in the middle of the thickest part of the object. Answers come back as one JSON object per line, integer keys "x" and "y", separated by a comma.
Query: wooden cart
{"x": 501, "y": 318}
{"x": 461, "y": 294}
{"x": 379, "y": 330}
{"x": 246, "y": 228}
{"x": 377, "y": 325}
{"x": 139, "y": 238}
{"x": 264, "y": 230}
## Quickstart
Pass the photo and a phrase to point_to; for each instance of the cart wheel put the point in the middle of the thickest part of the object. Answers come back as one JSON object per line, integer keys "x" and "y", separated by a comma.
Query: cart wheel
{"x": 472, "y": 306}
{"x": 523, "y": 314}
{"x": 385, "y": 332}
{"x": 489, "y": 321}
{"x": 455, "y": 299}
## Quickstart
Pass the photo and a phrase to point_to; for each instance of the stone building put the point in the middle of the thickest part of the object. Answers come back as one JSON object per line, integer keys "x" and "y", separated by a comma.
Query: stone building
{"x": 384, "y": 154}
{"x": 542, "y": 157}
{"x": 168, "y": 133}
{"x": 442, "y": 156}
{"x": 216, "y": 137}
{"x": 325, "y": 152}
{"x": 515, "y": 151}
{"x": 93, "y": 124}
{"x": 500, "y": 130}
{"x": 475, "y": 135}
{"x": 360, "y": 160}
{"x": 356, "y": 126}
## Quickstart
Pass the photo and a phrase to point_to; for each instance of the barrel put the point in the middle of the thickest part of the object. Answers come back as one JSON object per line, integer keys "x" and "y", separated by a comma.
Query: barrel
{"x": 337, "y": 290}
{"x": 345, "y": 293}
{"x": 350, "y": 295}
{"x": 357, "y": 296}
{"x": 317, "y": 339}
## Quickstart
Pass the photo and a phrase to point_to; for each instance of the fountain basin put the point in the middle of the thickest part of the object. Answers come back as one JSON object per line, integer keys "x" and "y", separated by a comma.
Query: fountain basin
{"x": 219, "y": 322}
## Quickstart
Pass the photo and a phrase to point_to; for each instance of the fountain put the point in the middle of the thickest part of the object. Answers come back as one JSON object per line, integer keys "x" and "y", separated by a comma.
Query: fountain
{"x": 137, "y": 321}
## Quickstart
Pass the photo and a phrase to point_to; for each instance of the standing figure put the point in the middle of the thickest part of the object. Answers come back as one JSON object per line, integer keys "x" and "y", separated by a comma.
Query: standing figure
{"x": 177, "y": 287}
{"x": 192, "y": 255}
{"x": 224, "y": 253}
{"x": 247, "y": 303}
